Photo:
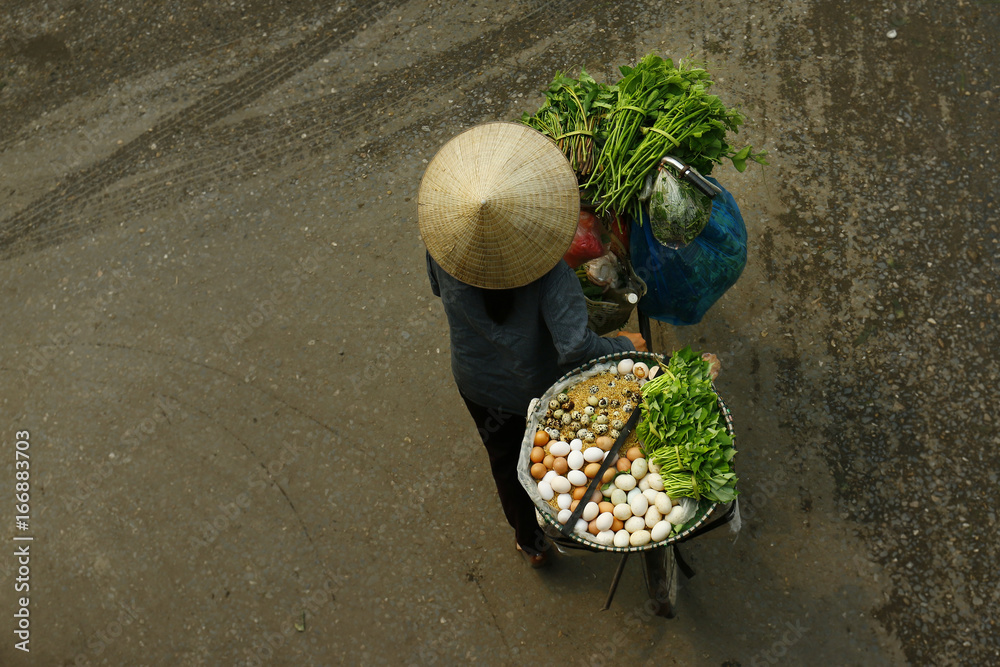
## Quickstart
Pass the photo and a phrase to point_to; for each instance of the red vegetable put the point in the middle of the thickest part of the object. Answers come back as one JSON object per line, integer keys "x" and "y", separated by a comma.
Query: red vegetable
{"x": 620, "y": 229}
{"x": 587, "y": 242}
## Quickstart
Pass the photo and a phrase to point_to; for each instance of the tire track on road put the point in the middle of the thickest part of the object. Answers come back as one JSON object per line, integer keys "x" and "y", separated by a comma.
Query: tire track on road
{"x": 30, "y": 223}
{"x": 336, "y": 121}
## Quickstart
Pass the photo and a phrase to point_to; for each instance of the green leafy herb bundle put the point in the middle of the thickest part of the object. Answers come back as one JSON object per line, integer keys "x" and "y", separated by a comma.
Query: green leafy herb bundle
{"x": 570, "y": 115}
{"x": 667, "y": 111}
{"x": 683, "y": 432}
{"x": 614, "y": 136}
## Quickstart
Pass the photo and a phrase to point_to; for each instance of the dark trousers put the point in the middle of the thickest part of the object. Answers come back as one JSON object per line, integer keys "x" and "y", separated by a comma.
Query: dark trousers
{"x": 502, "y": 434}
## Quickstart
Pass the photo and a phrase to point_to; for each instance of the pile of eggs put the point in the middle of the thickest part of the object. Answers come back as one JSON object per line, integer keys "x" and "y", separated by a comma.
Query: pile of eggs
{"x": 631, "y": 510}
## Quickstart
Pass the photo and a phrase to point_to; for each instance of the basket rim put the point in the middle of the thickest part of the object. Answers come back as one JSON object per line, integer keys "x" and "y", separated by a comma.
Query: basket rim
{"x": 546, "y": 513}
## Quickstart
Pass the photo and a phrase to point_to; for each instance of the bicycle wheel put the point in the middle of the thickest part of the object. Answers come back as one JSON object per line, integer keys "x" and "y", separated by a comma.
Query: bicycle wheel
{"x": 659, "y": 570}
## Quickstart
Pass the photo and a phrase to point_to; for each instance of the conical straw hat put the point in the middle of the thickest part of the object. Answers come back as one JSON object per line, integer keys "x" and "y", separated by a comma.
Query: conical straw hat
{"x": 498, "y": 205}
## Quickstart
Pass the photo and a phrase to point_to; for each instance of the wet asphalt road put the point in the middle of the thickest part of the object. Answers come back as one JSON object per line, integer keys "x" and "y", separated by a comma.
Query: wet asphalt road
{"x": 245, "y": 444}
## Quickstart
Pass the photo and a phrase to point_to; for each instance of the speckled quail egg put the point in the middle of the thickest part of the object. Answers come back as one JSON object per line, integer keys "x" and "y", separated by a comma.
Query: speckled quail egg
{"x": 589, "y": 410}
{"x": 562, "y": 398}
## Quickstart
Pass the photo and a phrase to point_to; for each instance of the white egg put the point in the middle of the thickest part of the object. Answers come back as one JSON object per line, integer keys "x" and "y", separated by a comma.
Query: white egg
{"x": 675, "y": 515}
{"x": 576, "y": 444}
{"x": 639, "y": 505}
{"x": 635, "y": 523}
{"x": 650, "y": 496}
{"x": 575, "y": 460}
{"x": 643, "y": 484}
{"x": 581, "y": 526}
{"x": 577, "y": 478}
{"x": 564, "y": 515}
{"x": 564, "y": 501}
{"x": 545, "y": 490}
{"x": 618, "y": 497}
{"x": 654, "y": 480}
{"x": 560, "y": 484}
{"x": 606, "y": 537}
{"x": 653, "y": 467}
{"x": 549, "y": 475}
{"x": 639, "y": 468}
{"x": 604, "y": 521}
{"x": 661, "y": 531}
{"x": 654, "y": 370}
{"x": 622, "y": 538}
{"x": 625, "y": 366}
{"x": 590, "y": 512}
{"x": 632, "y": 494}
{"x": 625, "y": 482}
{"x": 559, "y": 448}
{"x": 639, "y": 538}
{"x": 608, "y": 490}
{"x": 653, "y": 517}
{"x": 663, "y": 503}
{"x": 593, "y": 454}
{"x": 623, "y": 512}
{"x": 640, "y": 370}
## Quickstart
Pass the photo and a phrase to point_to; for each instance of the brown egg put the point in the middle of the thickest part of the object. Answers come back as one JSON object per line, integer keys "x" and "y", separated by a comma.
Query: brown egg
{"x": 605, "y": 506}
{"x": 572, "y": 505}
{"x": 634, "y": 453}
{"x": 617, "y": 524}
{"x": 538, "y": 470}
{"x": 560, "y": 465}
{"x": 623, "y": 464}
{"x": 597, "y": 496}
{"x": 592, "y": 527}
{"x": 609, "y": 474}
{"x": 578, "y": 492}
{"x": 548, "y": 461}
{"x": 605, "y": 442}
{"x": 537, "y": 454}
{"x": 541, "y": 438}
{"x": 591, "y": 469}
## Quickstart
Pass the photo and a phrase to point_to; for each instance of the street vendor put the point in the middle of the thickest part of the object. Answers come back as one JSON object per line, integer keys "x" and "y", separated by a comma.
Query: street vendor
{"x": 498, "y": 209}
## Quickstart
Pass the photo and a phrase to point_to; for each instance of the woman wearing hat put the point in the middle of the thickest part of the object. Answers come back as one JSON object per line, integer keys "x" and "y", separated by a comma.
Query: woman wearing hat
{"x": 498, "y": 208}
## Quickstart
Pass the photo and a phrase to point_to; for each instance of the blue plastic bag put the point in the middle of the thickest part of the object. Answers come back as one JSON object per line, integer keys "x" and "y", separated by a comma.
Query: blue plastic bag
{"x": 683, "y": 283}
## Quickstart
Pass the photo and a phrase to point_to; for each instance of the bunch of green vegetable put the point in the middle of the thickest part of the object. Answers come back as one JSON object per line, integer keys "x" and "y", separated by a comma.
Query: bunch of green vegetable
{"x": 570, "y": 115}
{"x": 683, "y": 432}
{"x": 614, "y": 136}
{"x": 662, "y": 110}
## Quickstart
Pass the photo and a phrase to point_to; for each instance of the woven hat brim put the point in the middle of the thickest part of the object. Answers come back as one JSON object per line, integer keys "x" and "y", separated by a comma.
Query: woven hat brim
{"x": 498, "y": 205}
